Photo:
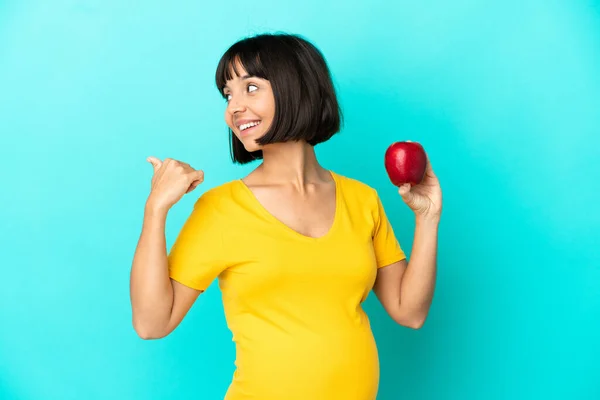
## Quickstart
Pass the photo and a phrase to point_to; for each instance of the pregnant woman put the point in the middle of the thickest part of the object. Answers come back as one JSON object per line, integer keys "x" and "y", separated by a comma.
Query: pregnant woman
{"x": 296, "y": 247}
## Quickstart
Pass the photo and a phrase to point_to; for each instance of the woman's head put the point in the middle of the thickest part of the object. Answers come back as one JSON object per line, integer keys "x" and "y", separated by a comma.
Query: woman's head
{"x": 281, "y": 82}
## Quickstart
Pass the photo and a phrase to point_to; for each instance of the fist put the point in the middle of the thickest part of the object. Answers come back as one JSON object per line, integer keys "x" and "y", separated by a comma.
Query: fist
{"x": 171, "y": 180}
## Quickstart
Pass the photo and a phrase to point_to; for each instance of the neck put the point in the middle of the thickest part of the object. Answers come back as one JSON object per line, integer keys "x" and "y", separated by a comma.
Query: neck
{"x": 292, "y": 162}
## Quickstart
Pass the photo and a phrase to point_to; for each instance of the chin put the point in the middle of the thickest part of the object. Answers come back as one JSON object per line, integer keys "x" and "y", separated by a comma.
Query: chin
{"x": 250, "y": 144}
{"x": 250, "y": 147}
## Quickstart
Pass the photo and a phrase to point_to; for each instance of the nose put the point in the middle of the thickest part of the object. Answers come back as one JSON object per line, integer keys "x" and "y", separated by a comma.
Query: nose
{"x": 235, "y": 106}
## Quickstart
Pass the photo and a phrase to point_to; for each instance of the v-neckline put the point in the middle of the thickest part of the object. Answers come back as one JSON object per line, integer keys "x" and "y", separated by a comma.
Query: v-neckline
{"x": 289, "y": 229}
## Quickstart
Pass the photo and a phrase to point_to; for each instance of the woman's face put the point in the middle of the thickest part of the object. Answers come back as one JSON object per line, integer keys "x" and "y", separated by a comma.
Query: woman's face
{"x": 250, "y": 108}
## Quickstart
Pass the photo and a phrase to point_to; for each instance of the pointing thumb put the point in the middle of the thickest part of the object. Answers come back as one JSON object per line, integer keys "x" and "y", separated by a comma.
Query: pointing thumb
{"x": 156, "y": 163}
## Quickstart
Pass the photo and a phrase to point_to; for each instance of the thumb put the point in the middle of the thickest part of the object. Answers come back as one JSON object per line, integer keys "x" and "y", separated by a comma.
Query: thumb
{"x": 406, "y": 194}
{"x": 156, "y": 163}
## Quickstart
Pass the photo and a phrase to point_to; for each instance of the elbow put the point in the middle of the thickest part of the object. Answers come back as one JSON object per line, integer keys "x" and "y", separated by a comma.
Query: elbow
{"x": 145, "y": 333}
{"x": 416, "y": 324}
{"x": 410, "y": 321}
{"x": 412, "y": 324}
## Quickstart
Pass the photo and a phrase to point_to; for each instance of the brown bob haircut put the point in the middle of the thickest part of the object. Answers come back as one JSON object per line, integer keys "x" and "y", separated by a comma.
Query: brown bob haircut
{"x": 306, "y": 106}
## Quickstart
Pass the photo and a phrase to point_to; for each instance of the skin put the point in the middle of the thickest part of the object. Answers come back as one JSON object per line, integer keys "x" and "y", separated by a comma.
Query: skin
{"x": 292, "y": 185}
{"x": 289, "y": 182}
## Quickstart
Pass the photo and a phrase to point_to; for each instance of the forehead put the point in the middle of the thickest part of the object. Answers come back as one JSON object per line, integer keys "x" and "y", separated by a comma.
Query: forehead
{"x": 235, "y": 72}
{"x": 235, "y": 69}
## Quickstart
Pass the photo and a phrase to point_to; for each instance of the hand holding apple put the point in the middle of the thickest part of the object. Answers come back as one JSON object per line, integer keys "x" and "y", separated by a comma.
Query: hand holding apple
{"x": 409, "y": 169}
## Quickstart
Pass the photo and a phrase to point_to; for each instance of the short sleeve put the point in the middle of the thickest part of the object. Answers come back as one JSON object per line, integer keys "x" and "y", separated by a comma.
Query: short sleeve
{"x": 387, "y": 248}
{"x": 196, "y": 257}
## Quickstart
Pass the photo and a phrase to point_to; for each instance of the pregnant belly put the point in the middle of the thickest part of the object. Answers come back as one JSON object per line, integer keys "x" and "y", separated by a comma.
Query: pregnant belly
{"x": 337, "y": 365}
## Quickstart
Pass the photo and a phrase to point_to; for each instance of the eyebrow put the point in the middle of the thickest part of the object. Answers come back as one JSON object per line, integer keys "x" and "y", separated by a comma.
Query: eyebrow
{"x": 245, "y": 77}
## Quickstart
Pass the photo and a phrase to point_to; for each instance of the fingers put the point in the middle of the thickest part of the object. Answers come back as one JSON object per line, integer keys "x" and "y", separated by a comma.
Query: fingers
{"x": 197, "y": 178}
{"x": 409, "y": 198}
{"x": 156, "y": 163}
{"x": 193, "y": 186}
{"x": 429, "y": 168}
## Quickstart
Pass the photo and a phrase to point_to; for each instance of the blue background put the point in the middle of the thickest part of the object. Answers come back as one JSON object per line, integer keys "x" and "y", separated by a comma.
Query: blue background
{"x": 504, "y": 95}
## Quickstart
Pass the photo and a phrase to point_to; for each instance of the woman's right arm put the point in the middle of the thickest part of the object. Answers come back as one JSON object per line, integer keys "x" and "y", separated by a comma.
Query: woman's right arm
{"x": 159, "y": 303}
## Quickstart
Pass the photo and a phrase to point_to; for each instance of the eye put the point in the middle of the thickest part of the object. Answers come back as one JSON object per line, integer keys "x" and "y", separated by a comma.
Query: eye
{"x": 227, "y": 97}
{"x": 252, "y": 86}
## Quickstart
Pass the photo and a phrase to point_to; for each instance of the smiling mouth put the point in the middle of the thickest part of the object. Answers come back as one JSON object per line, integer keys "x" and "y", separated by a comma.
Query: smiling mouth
{"x": 249, "y": 127}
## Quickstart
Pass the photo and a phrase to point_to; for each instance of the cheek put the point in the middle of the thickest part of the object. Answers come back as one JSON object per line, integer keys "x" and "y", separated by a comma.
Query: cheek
{"x": 228, "y": 118}
{"x": 267, "y": 109}
{"x": 272, "y": 106}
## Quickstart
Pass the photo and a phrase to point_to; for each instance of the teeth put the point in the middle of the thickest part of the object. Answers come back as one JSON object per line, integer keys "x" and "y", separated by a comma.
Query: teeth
{"x": 248, "y": 125}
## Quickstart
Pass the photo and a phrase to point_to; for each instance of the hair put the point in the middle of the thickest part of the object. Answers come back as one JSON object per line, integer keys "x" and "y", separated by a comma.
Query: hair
{"x": 306, "y": 106}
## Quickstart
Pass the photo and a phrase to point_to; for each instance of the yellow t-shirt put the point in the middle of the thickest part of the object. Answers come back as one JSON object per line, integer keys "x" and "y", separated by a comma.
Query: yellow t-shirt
{"x": 292, "y": 302}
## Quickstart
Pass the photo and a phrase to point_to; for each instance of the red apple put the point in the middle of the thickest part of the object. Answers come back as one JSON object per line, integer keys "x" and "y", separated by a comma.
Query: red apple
{"x": 405, "y": 162}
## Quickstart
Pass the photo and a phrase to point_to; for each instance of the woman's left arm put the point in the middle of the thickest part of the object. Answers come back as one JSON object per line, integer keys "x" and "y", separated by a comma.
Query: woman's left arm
{"x": 405, "y": 289}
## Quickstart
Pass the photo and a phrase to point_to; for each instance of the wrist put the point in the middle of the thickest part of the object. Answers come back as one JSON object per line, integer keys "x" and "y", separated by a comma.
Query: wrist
{"x": 428, "y": 220}
{"x": 154, "y": 209}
